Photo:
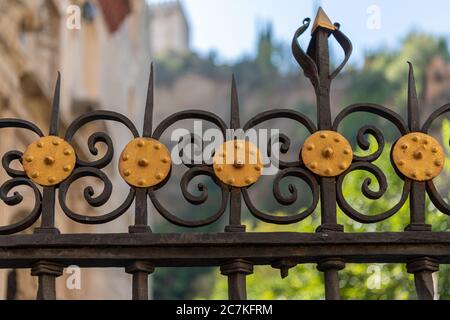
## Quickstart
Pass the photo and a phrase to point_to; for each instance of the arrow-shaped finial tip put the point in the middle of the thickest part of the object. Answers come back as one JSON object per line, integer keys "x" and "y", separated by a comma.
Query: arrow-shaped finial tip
{"x": 322, "y": 21}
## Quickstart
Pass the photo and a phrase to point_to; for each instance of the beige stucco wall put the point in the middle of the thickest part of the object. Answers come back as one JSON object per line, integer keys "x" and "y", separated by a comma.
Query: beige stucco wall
{"x": 109, "y": 71}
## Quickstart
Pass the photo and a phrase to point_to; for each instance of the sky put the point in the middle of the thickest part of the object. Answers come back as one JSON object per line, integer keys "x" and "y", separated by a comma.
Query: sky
{"x": 229, "y": 27}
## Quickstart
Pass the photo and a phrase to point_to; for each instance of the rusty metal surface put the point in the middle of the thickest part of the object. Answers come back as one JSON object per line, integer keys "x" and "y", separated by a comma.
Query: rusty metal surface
{"x": 418, "y": 156}
{"x": 327, "y": 153}
{"x": 238, "y": 163}
{"x": 144, "y": 163}
{"x": 326, "y": 160}
{"x": 49, "y": 161}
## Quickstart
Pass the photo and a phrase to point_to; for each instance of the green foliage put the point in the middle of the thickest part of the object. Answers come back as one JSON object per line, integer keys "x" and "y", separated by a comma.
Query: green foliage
{"x": 383, "y": 78}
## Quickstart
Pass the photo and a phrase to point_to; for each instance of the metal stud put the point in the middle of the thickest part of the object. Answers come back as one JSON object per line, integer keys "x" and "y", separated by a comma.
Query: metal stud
{"x": 49, "y": 161}
{"x": 242, "y": 170}
{"x": 418, "y": 156}
{"x": 144, "y": 162}
{"x": 331, "y": 153}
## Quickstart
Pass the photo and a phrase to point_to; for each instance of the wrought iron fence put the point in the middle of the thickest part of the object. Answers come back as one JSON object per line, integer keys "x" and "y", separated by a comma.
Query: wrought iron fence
{"x": 326, "y": 159}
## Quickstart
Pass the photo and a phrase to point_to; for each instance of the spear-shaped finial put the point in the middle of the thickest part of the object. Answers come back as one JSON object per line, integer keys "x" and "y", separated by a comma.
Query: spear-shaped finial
{"x": 148, "y": 115}
{"x": 54, "y": 121}
{"x": 235, "y": 122}
{"x": 322, "y": 21}
{"x": 413, "y": 102}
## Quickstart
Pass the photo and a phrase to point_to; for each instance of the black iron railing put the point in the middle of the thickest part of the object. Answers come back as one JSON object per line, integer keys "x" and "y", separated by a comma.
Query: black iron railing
{"x": 47, "y": 251}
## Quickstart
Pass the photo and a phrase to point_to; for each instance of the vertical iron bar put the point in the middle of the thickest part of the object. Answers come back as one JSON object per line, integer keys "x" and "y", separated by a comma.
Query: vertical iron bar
{"x": 332, "y": 285}
{"x": 235, "y": 196}
{"x": 148, "y": 115}
{"x": 417, "y": 196}
{"x": 48, "y": 271}
{"x": 417, "y": 207}
{"x": 319, "y": 45}
{"x": 48, "y": 199}
{"x": 423, "y": 267}
{"x": 319, "y": 48}
{"x": 237, "y": 269}
{"x": 330, "y": 267}
{"x": 141, "y": 213}
{"x": 140, "y": 271}
{"x": 235, "y": 211}
{"x": 54, "y": 122}
{"x": 323, "y": 67}
{"x": 48, "y": 212}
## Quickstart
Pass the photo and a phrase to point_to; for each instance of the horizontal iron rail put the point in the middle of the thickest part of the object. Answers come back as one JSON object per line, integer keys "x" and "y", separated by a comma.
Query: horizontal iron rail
{"x": 207, "y": 249}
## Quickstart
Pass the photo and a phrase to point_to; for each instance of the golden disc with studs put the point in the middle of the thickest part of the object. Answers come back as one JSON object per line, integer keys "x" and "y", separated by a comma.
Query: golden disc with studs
{"x": 145, "y": 163}
{"x": 327, "y": 153}
{"x": 418, "y": 156}
{"x": 238, "y": 163}
{"x": 49, "y": 160}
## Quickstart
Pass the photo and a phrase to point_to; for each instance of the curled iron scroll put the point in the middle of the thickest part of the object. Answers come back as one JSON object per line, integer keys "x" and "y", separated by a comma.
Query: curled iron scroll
{"x": 194, "y": 170}
{"x": 363, "y": 143}
{"x": 304, "y": 60}
{"x": 288, "y": 169}
{"x": 282, "y": 138}
{"x": 99, "y": 137}
{"x": 307, "y": 60}
{"x": 290, "y": 199}
{"x": 432, "y": 192}
{"x": 92, "y": 169}
{"x": 346, "y": 45}
{"x": 365, "y": 162}
{"x": 370, "y": 194}
{"x": 18, "y": 179}
{"x": 17, "y": 198}
{"x": 194, "y": 199}
{"x": 379, "y": 110}
{"x": 186, "y": 115}
{"x": 91, "y": 199}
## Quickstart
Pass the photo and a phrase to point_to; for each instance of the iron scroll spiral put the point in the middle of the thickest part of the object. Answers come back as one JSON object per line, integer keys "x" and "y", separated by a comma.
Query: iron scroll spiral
{"x": 194, "y": 170}
{"x": 19, "y": 178}
{"x": 93, "y": 169}
{"x": 365, "y": 163}
{"x": 287, "y": 169}
{"x": 432, "y": 192}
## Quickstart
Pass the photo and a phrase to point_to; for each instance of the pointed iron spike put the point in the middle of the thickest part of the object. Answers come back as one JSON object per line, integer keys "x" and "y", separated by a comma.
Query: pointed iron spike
{"x": 413, "y": 102}
{"x": 148, "y": 115}
{"x": 54, "y": 121}
{"x": 235, "y": 120}
{"x": 322, "y": 21}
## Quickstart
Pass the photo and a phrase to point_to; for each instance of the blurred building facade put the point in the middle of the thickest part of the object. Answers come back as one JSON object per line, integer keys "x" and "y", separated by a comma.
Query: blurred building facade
{"x": 437, "y": 83}
{"x": 169, "y": 28}
{"x": 104, "y": 65}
